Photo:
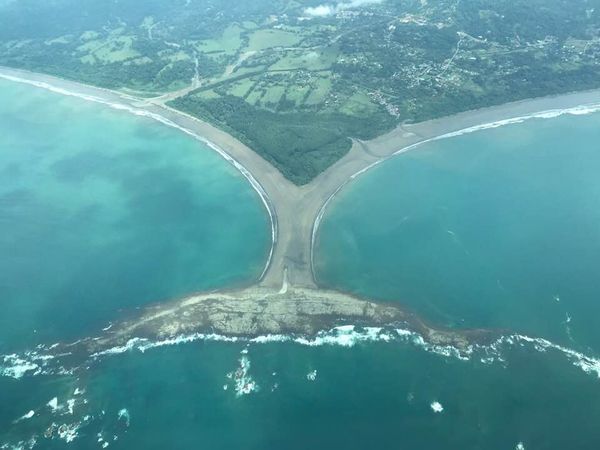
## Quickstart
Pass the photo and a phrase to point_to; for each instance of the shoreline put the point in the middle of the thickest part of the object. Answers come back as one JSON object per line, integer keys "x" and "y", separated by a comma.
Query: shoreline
{"x": 580, "y": 109}
{"x": 296, "y": 212}
{"x": 301, "y": 312}
{"x": 261, "y": 314}
{"x": 142, "y": 112}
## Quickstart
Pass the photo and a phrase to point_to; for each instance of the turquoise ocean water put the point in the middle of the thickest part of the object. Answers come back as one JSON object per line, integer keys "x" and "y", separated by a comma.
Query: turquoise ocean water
{"x": 496, "y": 229}
{"x": 101, "y": 211}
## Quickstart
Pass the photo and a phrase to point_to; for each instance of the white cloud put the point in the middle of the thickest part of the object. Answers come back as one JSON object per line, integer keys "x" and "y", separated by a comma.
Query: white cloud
{"x": 357, "y": 3}
{"x": 320, "y": 11}
{"x": 328, "y": 9}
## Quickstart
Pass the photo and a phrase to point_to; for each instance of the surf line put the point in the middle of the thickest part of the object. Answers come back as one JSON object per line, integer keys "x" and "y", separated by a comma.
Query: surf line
{"x": 33, "y": 363}
{"x": 266, "y": 201}
{"x": 579, "y": 110}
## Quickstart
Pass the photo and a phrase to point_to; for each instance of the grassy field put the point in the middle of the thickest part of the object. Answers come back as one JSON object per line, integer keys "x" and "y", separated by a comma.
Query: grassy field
{"x": 307, "y": 59}
{"x": 229, "y": 42}
{"x": 116, "y": 48}
{"x": 268, "y": 38}
{"x": 320, "y": 88}
{"x": 306, "y": 85}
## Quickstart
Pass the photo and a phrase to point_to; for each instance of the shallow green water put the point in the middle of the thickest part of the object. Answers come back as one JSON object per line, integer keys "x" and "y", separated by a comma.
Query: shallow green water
{"x": 493, "y": 229}
{"x": 100, "y": 211}
{"x": 114, "y": 227}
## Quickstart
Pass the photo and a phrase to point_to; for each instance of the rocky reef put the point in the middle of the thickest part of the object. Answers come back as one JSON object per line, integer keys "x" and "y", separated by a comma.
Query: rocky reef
{"x": 261, "y": 311}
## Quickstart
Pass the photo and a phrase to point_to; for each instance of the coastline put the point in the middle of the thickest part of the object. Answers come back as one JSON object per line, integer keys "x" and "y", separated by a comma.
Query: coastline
{"x": 264, "y": 315}
{"x": 298, "y": 313}
{"x": 296, "y": 212}
{"x": 463, "y": 118}
{"x": 257, "y": 315}
{"x": 125, "y": 102}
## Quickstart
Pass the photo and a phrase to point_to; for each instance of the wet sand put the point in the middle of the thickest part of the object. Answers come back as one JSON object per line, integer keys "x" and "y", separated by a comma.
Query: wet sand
{"x": 295, "y": 213}
{"x": 295, "y": 210}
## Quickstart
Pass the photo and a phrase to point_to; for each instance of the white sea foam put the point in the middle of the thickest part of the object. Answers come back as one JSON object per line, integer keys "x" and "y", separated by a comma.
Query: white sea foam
{"x": 350, "y": 335}
{"x": 589, "y": 364}
{"x": 346, "y": 336}
{"x": 342, "y": 336}
{"x": 33, "y": 362}
{"x": 270, "y": 338}
{"x": 124, "y": 415}
{"x": 68, "y": 432}
{"x": 143, "y": 344}
{"x": 436, "y": 407}
{"x": 130, "y": 345}
{"x": 243, "y": 383}
{"x": 26, "y": 416}
{"x": 586, "y": 363}
{"x": 18, "y": 369}
{"x": 53, "y": 404}
{"x": 71, "y": 405}
{"x": 21, "y": 445}
{"x": 547, "y": 114}
{"x": 312, "y": 375}
{"x": 16, "y": 366}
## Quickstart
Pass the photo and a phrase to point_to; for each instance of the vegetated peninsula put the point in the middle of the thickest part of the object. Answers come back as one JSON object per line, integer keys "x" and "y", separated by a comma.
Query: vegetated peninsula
{"x": 297, "y": 81}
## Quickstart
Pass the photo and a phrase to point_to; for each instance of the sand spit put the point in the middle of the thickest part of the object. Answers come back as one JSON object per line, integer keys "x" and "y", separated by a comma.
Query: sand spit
{"x": 296, "y": 211}
{"x": 299, "y": 307}
{"x": 135, "y": 106}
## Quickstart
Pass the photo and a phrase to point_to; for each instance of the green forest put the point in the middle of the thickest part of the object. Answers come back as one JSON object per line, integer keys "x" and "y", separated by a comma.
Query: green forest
{"x": 297, "y": 83}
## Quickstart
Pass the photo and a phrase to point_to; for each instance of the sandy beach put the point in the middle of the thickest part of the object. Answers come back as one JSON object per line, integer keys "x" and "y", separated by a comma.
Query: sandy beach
{"x": 296, "y": 211}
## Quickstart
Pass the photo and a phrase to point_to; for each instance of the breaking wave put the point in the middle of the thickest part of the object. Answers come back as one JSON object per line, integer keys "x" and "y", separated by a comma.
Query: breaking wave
{"x": 67, "y": 420}
{"x": 64, "y": 417}
{"x": 39, "y": 362}
{"x": 580, "y": 110}
{"x": 547, "y": 114}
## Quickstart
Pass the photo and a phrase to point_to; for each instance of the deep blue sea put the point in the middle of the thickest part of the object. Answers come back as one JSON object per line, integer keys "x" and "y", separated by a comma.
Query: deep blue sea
{"x": 102, "y": 212}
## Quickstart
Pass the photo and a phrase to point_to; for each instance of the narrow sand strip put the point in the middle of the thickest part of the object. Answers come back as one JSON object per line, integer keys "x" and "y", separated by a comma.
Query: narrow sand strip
{"x": 296, "y": 211}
